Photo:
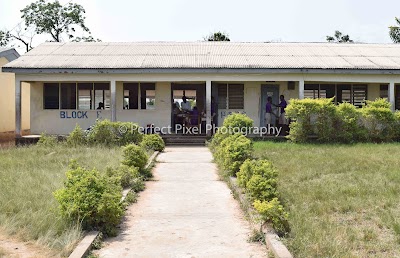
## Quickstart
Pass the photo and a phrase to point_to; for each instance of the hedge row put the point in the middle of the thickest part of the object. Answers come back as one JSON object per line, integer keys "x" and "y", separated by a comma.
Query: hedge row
{"x": 326, "y": 122}
{"x": 233, "y": 153}
{"x": 93, "y": 199}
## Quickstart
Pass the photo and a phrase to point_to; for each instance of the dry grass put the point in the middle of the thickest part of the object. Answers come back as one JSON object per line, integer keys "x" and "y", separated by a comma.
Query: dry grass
{"x": 343, "y": 199}
{"x": 29, "y": 176}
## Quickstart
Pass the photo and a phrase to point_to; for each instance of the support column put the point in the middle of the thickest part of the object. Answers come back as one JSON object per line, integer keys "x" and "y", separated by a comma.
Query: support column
{"x": 18, "y": 113}
{"x": 208, "y": 108}
{"x": 391, "y": 95}
{"x": 113, "y": 101}
{"x": 301, "y": 89}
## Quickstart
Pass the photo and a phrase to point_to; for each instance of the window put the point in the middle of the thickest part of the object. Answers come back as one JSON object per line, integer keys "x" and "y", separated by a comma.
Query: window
{"x": 72, "y": 95}
{"x": 230, "y": 96}
{"x": 85, "y": 96}
{"x": 102, "y": 96}
{"x": 315, "y": 91}
{"x": 355, "y": 94}
{"x": 51, "y": 95}
{"x": 131, "y": 96}
{"x": 147, "y": 95}
{"x": 68, "y": 95}
{"x": 384, "y": 91}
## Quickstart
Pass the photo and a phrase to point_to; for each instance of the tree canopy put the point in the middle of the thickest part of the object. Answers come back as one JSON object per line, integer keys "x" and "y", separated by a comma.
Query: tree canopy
{"x": 339, "y": 38}
{"x": 217, "y": 36}
{"x": 60, "y": 22}
{"x": 394, "y": 31}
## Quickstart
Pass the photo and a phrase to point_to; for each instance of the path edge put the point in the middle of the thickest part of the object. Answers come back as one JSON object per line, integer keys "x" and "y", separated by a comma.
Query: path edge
{"x": 272, "y": 240}
{"x": 85, "y": 245}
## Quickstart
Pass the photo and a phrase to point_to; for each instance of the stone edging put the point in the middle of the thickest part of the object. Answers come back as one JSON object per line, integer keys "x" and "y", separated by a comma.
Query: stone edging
{"x": 85, "y": 244}
{"x": 271, "y": 238}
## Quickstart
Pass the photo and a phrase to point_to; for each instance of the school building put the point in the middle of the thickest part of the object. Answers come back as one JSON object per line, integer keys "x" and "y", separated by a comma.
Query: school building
{"x": 145, "y": 82}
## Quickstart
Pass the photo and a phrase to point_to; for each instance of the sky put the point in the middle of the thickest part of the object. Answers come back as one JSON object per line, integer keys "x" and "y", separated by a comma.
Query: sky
{"x": 252, "y": 20}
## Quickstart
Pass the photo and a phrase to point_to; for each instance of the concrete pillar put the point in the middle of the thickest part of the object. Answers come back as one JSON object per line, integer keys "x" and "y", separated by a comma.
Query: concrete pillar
{"x": 208, "y": 107}
{"x": 18, "y": 113}
{"x": 113, "y": 101}
{"x": 391, "y": 95}
{"x": 301, "y": 89}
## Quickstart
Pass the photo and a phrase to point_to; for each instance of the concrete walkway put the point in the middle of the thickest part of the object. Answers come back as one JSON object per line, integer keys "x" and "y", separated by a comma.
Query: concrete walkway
{"x": 185, "y": 212}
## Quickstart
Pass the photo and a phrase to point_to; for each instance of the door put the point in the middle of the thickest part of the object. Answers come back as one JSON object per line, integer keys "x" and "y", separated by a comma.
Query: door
{"x": 268, "y": 91}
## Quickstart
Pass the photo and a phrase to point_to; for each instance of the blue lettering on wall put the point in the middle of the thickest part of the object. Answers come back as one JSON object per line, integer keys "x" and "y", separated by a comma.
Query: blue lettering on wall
{"x": 75, "y": 114}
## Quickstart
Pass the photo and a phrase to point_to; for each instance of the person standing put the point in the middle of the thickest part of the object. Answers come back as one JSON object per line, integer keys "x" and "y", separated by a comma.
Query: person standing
{"x": 283, "y": 121}
{"x": 268, "y": 112}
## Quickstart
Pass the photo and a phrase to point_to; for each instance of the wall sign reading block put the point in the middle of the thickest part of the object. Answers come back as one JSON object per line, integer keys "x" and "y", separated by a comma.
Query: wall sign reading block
{"x": 76, "y": 114}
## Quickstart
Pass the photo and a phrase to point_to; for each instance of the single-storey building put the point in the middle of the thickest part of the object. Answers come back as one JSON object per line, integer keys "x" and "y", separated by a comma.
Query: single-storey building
{"x": 7, "y": 98}
{"x": 144, "y": 82}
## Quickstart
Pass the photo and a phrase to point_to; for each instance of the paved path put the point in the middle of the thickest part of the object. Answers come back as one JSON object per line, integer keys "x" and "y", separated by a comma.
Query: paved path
{"x": 185, "y": 212}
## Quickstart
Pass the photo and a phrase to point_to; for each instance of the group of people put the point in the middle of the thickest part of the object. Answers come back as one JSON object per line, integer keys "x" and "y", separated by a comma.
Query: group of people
{"x": 270, "y": 116}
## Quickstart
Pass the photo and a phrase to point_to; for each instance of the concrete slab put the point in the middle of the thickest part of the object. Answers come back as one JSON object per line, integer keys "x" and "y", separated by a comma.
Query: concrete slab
{"x": 186, "y": 212}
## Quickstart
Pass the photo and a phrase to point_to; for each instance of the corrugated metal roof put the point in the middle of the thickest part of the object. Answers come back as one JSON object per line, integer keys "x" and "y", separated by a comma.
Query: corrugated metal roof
{"x": 206, "y": 55}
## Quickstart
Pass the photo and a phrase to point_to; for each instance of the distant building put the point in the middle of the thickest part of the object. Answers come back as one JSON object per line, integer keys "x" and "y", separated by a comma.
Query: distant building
{"x": 7, "y": 98}
{"x": 142, "y": 81}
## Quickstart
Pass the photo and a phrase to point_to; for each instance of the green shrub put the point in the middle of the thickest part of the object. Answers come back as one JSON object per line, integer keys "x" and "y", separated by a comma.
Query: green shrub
{"x": 379, "y": 120}
{"x": 252, "y": 167}
{"x": 218, "y": 137}
{"x": 153, "y": 142}
{"x": 312, "y": 117}
{"x": 47, "y": 140}
{"x": 90, "y": 198}
{"x": 135, "y": 156}
{"x": 237, "y": 120}
{"x": 105, "y": 132}
{"x": 274, "y": 213}
{"x": 261, "y": 188}
{"x": 137, "y": 184}
{"x": 350, "y": 129}
{"x": 131, "y": 135}
{"x": 77, "y": 137}
{"x": 233, "y": 151}
{"x": 124, "y": 174}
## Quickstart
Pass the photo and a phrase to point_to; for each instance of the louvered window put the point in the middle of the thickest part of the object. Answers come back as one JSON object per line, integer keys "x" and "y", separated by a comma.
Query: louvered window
{"x": 230, "y": 96}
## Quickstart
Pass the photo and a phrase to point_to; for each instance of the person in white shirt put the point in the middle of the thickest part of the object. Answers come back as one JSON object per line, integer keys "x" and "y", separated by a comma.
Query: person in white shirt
{"x": 185, "y": 104}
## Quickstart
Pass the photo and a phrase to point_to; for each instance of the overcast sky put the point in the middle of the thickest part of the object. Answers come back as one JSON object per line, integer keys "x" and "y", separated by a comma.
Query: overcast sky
{"x": 244, "y": 20}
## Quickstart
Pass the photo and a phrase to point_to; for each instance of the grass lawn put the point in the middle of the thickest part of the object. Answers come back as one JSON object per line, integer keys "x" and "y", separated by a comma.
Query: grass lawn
{"x": 28, "y": 178}
{"x": 344, "y": 200}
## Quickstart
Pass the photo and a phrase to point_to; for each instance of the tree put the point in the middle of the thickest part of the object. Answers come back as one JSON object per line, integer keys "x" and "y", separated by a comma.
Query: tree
{"x": 394, "y": 31}
{"x": 217, "y": 36}
{"x": 339, "y": 38}
{"x": 49, "y": 18}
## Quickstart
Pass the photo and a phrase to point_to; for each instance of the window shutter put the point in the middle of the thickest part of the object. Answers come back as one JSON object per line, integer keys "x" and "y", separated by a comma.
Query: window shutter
{"x": 236, "y": 96}
{"x": 359, "y": 95}
{"x": 222, "y": 96}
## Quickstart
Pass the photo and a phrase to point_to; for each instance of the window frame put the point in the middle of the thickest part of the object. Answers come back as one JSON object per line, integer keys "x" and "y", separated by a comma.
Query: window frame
{"x": 228, "y": 97}
{"x": 140, "y": 95}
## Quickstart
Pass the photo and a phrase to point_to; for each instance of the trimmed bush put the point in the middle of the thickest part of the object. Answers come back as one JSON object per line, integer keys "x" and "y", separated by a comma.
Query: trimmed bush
{"x": 77, "y": 137}
{"x": 125, "y": 175}
{"x": 153, "y": 142}
{"x": 234, "y": 150}
{"x": 135, "y": 156}
{"x": 252, "y": 167}
{"x": 343, "y": 123}
{"x": 274, "y": 213}
{"x": 262, "y": 188}
{"x": 90, "y": 198}
{"x": 105, "y": 132}
{"x": 218, "y": 137}
{"x": 237, "y": 120}
{"x": 131, "y": 135}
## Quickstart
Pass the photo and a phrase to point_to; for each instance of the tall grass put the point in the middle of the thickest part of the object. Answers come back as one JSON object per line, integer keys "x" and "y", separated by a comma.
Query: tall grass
{"x": 343, "y": 199}
{"x": 29, "y": 176}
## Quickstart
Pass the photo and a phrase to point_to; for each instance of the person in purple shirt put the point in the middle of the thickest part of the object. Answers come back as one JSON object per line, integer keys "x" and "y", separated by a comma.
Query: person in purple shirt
{"x": 268, "y": 112}
{"x": 283, "y": 121}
